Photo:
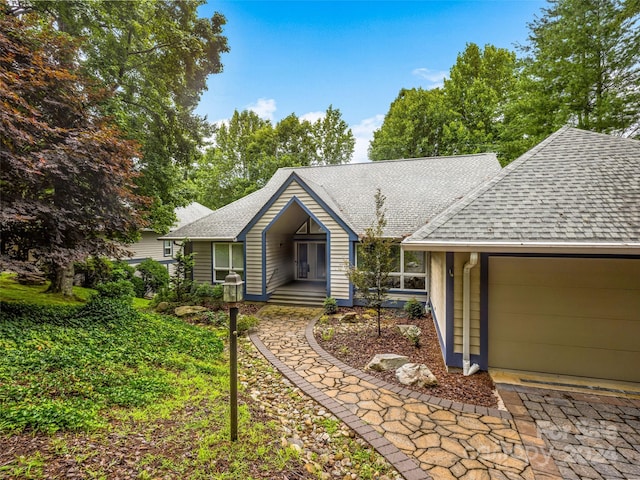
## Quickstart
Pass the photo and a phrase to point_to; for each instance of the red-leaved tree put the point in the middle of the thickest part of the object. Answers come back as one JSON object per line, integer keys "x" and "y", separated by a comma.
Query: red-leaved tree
{"x": 66, "y": 173}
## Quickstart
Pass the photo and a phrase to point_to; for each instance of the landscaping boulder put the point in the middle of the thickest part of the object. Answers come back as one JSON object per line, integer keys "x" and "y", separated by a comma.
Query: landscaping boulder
{"x": 189, "y": 310}
{"x": 163, "y": 307}
{"x": 409, "y": 331}
{"x": 416, "y": 375}
{"x": 350, "y": 317}
{"x": 386, "y": 361}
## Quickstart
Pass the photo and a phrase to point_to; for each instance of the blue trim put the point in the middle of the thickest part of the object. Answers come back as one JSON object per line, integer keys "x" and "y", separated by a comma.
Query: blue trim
{"x": 140, "y": 260}
{"x": 296, "y": 200}
{"x": 449, "y": 355}
{"x": 344, "y": 303}
{"x": 437, "y": 327}
{"x": 563, "y": 255}
{"x": 256, "y": 298}
{"x": 352, "y": 288}
{"x": 484, "y": 311}
{"x": 294, "y": 177}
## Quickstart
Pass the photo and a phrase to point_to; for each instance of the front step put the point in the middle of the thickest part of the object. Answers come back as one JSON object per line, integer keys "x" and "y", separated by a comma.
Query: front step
{"x": 292, "y": 297}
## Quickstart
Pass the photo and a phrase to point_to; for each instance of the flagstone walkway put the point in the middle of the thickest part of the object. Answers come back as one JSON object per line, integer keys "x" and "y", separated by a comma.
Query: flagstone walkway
{"x": 420, "y": 435}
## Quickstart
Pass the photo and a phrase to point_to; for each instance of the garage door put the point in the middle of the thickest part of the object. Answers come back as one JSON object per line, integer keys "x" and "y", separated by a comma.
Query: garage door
{"x": 568, "y": 316}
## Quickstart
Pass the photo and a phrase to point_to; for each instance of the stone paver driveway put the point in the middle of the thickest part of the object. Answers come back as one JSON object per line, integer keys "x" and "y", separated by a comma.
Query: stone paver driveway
{"x": 428, "y": 437}
{"x": 588, "y": 436}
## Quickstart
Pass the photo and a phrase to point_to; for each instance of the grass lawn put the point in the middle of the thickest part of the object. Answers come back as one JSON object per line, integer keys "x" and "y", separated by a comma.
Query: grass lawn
{"x": 101, "y": 390}
{"x": 12, "y": 291}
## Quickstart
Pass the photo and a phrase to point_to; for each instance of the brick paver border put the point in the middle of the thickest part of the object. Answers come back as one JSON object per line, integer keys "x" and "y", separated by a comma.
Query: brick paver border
{"x": 429, "y": 399}
{"x": 398, "y": 459}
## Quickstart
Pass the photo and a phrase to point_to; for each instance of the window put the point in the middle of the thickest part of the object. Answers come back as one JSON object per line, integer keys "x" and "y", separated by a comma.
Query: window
{"x": 408, "y": 270}
{"x": 227, "y": 257}
{"x": 310, "y": 227}
{"x": 168, "y": 248}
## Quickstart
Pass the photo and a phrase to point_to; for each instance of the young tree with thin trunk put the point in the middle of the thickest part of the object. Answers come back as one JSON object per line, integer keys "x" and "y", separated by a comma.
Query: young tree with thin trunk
{"x": 370, "y": 275}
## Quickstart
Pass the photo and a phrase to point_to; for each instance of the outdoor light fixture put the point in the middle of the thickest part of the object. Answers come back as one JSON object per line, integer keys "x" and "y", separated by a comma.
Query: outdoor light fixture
{"x": 232, "y": 289}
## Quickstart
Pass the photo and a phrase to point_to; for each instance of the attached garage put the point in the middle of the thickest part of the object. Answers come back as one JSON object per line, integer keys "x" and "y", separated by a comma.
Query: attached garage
{"x": 571, "y": 316}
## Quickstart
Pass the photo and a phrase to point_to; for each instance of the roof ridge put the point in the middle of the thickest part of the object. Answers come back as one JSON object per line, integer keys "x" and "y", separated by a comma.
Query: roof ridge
{"x": 378, "y": 162}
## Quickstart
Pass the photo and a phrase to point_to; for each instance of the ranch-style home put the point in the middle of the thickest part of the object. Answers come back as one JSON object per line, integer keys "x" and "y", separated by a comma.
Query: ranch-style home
{"x": 533, "y": 267}
{"x": 292, "y": 240}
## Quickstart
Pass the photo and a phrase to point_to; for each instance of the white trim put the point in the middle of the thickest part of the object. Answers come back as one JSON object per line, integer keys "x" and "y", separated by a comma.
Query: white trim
{"x": 630, "y": 248}
{"x": 229, "y": 268}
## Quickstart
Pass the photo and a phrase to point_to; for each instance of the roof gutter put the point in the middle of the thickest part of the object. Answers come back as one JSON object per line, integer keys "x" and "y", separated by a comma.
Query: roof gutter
{"x": 612, "y": 248}
{"x": 467, "y": 368}
{"x": 201, "y": 239}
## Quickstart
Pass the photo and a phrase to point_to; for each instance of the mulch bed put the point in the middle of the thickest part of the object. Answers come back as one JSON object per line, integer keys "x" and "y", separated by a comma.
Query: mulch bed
{"x": 357, "y": 343}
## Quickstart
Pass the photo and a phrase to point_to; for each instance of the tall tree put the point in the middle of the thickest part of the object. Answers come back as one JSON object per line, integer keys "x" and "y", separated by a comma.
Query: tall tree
{"x": 413, "y": 127}
{"x": 248, "y": 150}
{"x": 581, "y": 67}
{"x": 464, "y": 116}
{"x": 65, "y": 171}
{"x": 374, "y": 263}
{"x": 155, "y": 56}
{"x": 333, "y": 140}
{"x": 477, "y": 89}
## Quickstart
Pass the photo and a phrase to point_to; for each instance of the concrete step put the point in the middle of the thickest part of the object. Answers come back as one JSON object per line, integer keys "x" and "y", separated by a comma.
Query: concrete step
{"x": 297, "y": 299}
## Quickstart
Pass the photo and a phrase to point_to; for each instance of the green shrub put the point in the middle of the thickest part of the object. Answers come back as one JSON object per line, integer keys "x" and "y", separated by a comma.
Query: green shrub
{"x": 139, "y": 288}
{"x": 95, "y": 270}
{"x": 122, "y": 289}
{"x": 246, "y": 323}
{"x": 330, "y": 306}
{"x": 207, "y": 294}
{"x": 121, "y": 270}
{"x": 414, "y": 309}
{"x": 218, "y": 319}
{"x": 154, "y": 275}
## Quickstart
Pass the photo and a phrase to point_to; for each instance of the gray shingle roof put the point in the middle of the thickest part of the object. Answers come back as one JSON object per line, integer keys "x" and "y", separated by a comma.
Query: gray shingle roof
{"x": 189, "y": 214}
{"x": 575, "y": 186}
{"x": 416, "y": 190}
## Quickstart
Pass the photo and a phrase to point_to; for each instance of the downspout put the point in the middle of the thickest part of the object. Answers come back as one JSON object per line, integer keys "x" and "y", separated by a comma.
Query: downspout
{"x": 467, "y": 368}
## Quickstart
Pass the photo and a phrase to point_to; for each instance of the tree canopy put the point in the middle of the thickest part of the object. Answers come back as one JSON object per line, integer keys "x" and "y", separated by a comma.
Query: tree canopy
{"x": 65, "y": 169}
{"x": 155, "y": 58}
{"x": 581, "y": 67}
{"x": 463, "y": 116}
{"x": 248, "y": 150}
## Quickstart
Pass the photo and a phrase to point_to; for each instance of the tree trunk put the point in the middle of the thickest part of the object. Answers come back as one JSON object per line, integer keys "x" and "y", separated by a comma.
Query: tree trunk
{"x": 62, "y": 281}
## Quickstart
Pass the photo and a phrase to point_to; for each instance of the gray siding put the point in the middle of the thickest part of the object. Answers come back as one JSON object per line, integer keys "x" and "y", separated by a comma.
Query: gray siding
{"x": 148, "y": 247}
{"x": 280, "y": 259}
{"x": 202, "y": 262}
{"x": 458, "y": 264}
{"x": 438, "y": 283}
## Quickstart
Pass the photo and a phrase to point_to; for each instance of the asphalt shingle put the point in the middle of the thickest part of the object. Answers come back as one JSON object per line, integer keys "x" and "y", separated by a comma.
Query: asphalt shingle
{"x": 416, "y": 190}
{"x": 575, "y": 186}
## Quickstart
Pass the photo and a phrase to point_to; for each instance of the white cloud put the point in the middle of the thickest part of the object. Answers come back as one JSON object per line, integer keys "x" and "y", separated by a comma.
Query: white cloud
{"x": 312, "y": 116}
{"x": 264, "y": 107}
{"x": 434, "y": 77}
{"x": 363, "y": 133}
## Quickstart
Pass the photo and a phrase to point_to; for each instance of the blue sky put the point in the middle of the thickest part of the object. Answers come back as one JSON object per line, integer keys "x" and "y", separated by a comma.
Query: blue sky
{"x": 302, "y": 56}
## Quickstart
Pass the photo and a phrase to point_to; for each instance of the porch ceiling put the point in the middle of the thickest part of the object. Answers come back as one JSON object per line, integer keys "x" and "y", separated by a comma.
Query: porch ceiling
{"x": 289, "y": 220}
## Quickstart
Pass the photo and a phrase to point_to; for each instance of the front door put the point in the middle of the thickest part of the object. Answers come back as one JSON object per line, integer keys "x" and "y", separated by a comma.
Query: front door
{"x": 311, "y": 260}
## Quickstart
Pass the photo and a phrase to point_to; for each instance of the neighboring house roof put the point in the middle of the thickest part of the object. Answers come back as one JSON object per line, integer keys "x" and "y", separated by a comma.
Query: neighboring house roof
{"x": 415, "y": 189}
{"x": 575, "y": 189}
{"x": 190, "y": 213}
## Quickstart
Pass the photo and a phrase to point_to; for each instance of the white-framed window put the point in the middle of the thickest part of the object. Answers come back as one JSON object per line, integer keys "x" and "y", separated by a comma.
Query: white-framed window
{"x": 168, "y": 248}
{"x": 409, "y": 270}
{"x": 227, "y": 257}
